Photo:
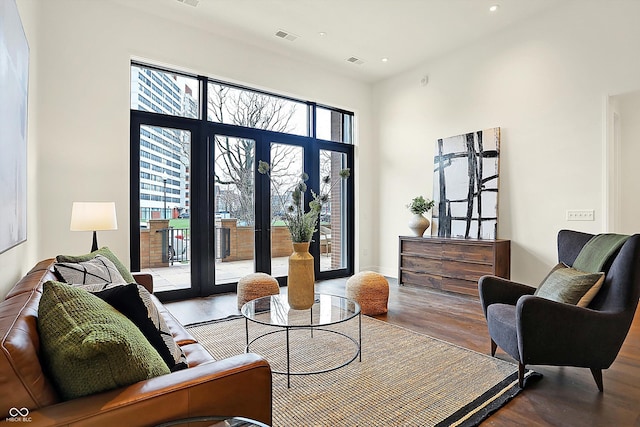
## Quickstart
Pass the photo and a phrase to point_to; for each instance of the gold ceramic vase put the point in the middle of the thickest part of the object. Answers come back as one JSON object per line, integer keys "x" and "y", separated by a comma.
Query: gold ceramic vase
{"x": 301, "y": 278}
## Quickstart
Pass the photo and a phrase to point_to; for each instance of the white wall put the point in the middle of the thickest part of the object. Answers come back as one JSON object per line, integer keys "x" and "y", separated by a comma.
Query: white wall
{"x": 18, "y": 260}
{"x": 84, "y": 53}
{"x": 543, "y": 83}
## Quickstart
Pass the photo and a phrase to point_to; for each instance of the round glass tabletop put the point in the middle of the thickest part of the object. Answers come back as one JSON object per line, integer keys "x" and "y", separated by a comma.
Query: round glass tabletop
{"x": 213, "y": 422}
{"x": 274, "y": 310}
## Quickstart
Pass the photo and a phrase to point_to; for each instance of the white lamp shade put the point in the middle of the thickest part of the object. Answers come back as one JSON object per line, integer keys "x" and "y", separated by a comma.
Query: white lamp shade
{"x": 93, "y": 216}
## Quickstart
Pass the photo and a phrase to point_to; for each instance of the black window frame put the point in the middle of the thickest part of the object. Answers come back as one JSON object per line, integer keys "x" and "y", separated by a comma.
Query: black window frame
{"x": 200, "y": 184}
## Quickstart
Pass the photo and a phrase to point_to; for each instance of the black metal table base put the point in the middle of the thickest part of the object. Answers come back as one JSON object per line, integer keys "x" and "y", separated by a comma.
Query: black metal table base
{"x": 286, "y": 329}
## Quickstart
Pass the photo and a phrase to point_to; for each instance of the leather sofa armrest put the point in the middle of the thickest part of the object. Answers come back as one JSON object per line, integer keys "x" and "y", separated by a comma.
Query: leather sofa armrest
{"x": 144, "y": 279}
{"x": 496, "y": 290}
{"x": 216, "y": 388}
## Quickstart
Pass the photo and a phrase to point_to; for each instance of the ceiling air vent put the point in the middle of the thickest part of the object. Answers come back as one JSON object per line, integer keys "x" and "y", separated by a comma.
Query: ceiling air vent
{"x": 286, "y": 35}
{"x": 193, "y": 3}
{"x": 355, "y": 60}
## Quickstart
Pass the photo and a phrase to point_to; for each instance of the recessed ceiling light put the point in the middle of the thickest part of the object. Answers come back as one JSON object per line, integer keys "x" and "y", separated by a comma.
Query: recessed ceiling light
{"x": 494, "y": 7}
{"x": 384, "y": 59}
{"x": 322, "y": 34}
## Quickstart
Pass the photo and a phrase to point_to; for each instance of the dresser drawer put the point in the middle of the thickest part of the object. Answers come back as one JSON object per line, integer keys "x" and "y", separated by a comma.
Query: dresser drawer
{"x": 459, "y": 286}
{"x": 431, "y": 249}
{"x": 473, "y": 253}
{"x": 465, "y": 270}
{"x": 420, "y": 279}
{"x": 421, "y": 264}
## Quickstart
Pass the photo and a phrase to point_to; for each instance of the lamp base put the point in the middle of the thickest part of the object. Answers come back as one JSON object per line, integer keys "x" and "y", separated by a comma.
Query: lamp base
{"x": 94, "y": 247}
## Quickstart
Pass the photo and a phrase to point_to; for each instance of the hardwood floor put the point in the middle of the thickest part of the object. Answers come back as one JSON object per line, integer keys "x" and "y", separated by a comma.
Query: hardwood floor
{"x": 565, "y": 396}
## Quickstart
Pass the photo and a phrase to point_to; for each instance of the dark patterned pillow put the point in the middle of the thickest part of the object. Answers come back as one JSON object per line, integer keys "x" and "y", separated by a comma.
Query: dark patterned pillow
{"x": 105, "y": 252}
{"x": 98, "y": 270}
{"x": 134, "y": 301}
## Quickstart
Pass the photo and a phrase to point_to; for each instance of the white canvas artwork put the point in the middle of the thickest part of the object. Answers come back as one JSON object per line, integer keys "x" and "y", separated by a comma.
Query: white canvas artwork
{"x": 465, "y": 185}
{"x": 14, "y": 75}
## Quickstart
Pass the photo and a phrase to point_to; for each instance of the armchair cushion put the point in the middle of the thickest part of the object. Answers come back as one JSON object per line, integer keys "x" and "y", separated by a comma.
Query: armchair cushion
{"x": 501, "y": 320}
{"x": 568, "y": 285}
{"x": 88, "y": 346}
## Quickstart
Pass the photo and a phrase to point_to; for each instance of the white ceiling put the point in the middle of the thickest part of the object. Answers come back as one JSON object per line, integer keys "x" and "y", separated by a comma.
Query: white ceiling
{"x": 407, "y": 32}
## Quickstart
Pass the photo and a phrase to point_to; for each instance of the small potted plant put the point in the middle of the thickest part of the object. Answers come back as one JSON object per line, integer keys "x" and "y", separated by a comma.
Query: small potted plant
{"x": 418, "y": 206}
{"x": 301, "y": 224}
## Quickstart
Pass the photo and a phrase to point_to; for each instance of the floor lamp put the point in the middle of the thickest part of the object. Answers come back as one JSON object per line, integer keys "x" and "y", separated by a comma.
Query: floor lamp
{"x": 93, "y": 216}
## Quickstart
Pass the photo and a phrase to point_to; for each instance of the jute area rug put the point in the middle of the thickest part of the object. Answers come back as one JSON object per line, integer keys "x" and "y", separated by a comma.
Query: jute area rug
{"x": 404, "y": 379}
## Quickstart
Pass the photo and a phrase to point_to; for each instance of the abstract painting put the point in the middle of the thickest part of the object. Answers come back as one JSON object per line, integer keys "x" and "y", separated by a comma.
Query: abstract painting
{"x": 14, "y": 77}
{"x": 465, "y": 185}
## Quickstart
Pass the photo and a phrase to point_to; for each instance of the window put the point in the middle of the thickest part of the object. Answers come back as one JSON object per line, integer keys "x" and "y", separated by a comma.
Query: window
{"x": 203, "y": 210}
{"x": 252, "y": 109}
{"x": 177, "y": 94}
{"x": 333, "y": 125}
{"x": 163, "y": 92}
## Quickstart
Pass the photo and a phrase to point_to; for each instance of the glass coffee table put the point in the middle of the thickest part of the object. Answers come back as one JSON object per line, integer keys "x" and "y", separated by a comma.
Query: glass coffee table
{"x": 322, "y": 318}
{"x": 213, "y": 422}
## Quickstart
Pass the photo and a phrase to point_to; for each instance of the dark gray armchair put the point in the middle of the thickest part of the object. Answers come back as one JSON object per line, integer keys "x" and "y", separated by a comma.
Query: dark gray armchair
{"x": 538, "y": 331}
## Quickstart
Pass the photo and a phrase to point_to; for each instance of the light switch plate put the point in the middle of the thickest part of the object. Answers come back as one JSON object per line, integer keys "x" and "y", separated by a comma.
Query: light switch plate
{"x": 580, "y": 215}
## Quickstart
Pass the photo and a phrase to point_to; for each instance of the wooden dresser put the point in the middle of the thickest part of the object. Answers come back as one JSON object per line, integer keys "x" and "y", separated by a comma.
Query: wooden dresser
{"x": 453, "y": 265}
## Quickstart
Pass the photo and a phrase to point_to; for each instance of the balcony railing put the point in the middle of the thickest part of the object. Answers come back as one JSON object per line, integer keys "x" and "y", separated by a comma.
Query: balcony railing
{"x": 175, "y": 245}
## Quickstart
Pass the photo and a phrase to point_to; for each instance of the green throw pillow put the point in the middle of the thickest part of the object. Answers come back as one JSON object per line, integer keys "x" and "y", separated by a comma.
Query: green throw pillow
{"x": 105, "y": 252}
{"x": 570, "y": 286}
{"x": 88, "y": 346}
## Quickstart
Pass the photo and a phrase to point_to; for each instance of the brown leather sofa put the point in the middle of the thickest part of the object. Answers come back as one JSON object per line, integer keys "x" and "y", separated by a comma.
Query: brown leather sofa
{"x": 237, "y": 386}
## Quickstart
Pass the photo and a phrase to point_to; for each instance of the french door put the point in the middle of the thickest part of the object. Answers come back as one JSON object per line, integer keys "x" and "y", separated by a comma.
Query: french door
{"x": 234, "y": 206}
{"x": 205, "y": 219}
{"x": 168, "y": 209}
{"x": 249, "y": 209}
